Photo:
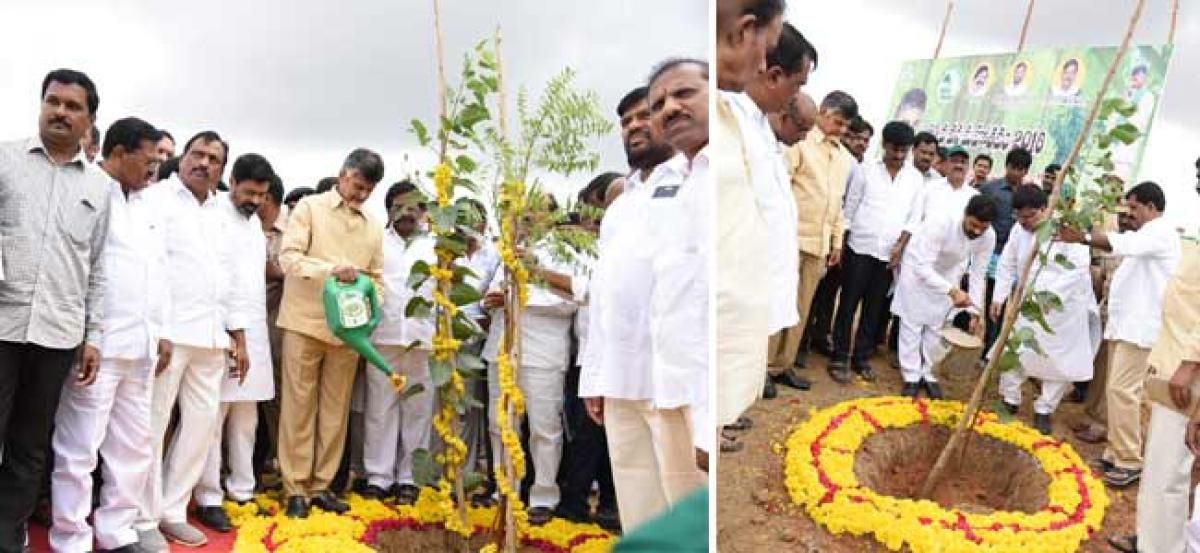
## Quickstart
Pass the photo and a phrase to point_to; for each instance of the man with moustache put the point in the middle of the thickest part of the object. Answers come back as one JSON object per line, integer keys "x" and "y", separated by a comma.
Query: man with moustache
{"x": 273, "y": 215}
{"x": 788, "y": 65}
{"x": 237, "y": 422}
{"x": 207, "y": 322}
{"x": 981, "y": 169}
{"x": 949, "y": 194}
{"x": 112, "y": 415}
{"x": 328, "y": 234}
{"x": 924, "y": 154}
{"x": 54, "y": 213}
{"x": 617, "y": 382}
{"x": 746, "y": 30}
{"x": 928, "y": 288}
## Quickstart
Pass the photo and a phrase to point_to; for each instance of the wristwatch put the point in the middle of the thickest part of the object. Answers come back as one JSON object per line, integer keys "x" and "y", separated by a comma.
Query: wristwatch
{"x": 1087, "y": 238}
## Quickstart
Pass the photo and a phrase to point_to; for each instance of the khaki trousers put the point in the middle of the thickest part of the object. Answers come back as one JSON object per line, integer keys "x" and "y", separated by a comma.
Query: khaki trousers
{"x": 785, "y": 344}
{"x": 653, "y": 459}
{"x": 318, "y": 378}
{"x": 1095, "y": 407}
{"x": 1127, "y": 372}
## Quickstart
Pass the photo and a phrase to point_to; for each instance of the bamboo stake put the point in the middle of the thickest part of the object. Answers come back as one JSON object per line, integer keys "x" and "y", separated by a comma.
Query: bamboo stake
{"x": 1025, "y": 26}
{"x": 1174, "y": 21}
{"x": 511, "y": 312}
{"x": 1010, "y": 312}
{"x": 441, "y": 62}
{"x": 945, "y": 24}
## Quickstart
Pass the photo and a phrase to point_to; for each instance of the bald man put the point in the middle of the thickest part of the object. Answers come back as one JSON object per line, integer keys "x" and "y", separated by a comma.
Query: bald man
{"x": 791, "y": 124}
{"x": 746, "y": 29}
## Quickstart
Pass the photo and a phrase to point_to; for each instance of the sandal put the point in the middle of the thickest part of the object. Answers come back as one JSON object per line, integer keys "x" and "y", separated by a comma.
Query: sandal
{"x": 1118, "y": 477}
{"x": 742, "y": 424}
{"x": 730, "y": 444}
{"x": 1124, "y": 544}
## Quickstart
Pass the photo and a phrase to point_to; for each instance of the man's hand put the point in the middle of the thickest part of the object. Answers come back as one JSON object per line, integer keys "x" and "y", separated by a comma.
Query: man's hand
{"x": 345, "y": 273}
{"x": 835, "y": 258}
{"x": 595, "y": 409}
{"x": 89, "y": 365}
{"x": 165, "y": 349}
{"x": 493, "y": 300}
{"x": 1192, "y": 437}
{"x": 1070, "y": 235}
{"x": 702, "y": 459}
{"x": 894, "y": 258}
{"x": 1181, "y": 384}
{"x": 960, "y": 299}
{"x": 240, "y": 357}
{"x": 975, "y": 327}
{"x": 996, "y": 311}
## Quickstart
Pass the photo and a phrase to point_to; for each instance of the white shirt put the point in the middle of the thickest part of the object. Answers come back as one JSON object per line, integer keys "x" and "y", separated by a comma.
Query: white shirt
{"x": 772, "y": 189}
{"x": 483, "y": 264}
{"x": 395, "y": 329}
{"x": 878, "y": 208}
{"x": 581, "y": 289}
{"x": 942, "y": 200}
{"x": 204, "y": 297}
{"x": 247, "y": 247}
{"x": 1150, "y": 254}
{"x": 136, "y": 302}
{"x": 618, "y": 362}
{"x": 932, "y": 265}
{"x": 545, "y": 322}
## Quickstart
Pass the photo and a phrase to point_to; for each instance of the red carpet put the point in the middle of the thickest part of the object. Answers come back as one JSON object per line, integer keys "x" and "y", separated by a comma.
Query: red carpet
{"x": 216, "y": 542}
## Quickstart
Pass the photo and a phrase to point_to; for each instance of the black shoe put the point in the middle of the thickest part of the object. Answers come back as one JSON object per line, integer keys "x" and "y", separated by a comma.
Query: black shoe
{"x": 576, "y": 515}
{"x": 1012, "y": 409}
{"x": 359, "y": 486}
{"x": 1042, "y": 423}
{"x": 839, "y": 372}
{"x": 865, "y": 371}
{"x": 909, "y": 390}
{"x": 769, "y": 391}
{"x": 406, "y": 494}
{"x": 328, "y": 502}
{"x": 608, "y": 519}
{"x": 789, "y": 379}
{"x": 374, "y": 492}
{"x": 214, "y": 518}
{"x": 1100, "y": 465}
{"x": 801, "y": 361}
{"x": 297, "y": 507}
{"x": 933, "y": 390}
{"x": 1078, "y": 395}
{"x": 540, "y": 515}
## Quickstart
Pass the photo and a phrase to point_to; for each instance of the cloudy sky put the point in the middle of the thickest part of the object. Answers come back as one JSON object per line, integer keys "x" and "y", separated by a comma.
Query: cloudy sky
{"x": 862, "y": 43}
{"x": 305, "y": 81}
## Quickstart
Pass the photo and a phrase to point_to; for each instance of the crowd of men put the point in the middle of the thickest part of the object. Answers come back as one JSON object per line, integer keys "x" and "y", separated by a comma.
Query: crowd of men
{"x": 824, "y": 249}
{"x": 164, "y": 346}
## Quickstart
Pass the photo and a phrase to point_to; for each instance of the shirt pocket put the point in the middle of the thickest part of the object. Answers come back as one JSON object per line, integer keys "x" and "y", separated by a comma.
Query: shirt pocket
{"x": 78, "y": 220}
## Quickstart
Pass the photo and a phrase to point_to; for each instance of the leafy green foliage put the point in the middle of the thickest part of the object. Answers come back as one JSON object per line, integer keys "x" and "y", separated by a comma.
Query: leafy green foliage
{"x": 425, "y": 471}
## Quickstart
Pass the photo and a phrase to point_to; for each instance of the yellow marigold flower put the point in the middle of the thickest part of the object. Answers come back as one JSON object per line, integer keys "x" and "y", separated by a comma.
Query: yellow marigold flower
{"x": 443, "y": 182}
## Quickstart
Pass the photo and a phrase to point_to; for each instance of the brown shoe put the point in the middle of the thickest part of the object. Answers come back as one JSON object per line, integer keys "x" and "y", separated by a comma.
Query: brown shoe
{"x": 1093, "y": 434}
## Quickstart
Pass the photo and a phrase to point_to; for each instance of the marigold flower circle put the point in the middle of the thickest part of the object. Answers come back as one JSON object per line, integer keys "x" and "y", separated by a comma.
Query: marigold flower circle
{"x": 262, "y": 527}
{"x": 819, "y": 471}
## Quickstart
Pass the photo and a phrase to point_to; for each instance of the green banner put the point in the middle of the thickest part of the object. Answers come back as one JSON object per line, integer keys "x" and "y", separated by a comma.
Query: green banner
{"x": 1037, "y": 99}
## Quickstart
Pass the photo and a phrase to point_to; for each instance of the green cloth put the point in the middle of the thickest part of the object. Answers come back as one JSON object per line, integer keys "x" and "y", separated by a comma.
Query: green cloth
{"x": 682, "y": 528}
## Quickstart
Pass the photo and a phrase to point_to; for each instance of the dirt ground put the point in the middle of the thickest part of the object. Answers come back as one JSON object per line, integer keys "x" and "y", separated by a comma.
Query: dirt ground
{"x": 754, "y": 512}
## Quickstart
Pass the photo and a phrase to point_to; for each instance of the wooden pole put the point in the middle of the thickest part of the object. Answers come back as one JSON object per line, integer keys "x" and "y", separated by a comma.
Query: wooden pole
{"x": 1025, "y": 26}
{"x": 1174, "y": 21}
{"x": 441, "y": 61}
{"x": 1010, "y": 313}
{"x": 945, "y": 24}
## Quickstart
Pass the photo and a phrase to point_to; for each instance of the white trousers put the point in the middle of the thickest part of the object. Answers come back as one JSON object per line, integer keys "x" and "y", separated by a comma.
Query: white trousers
{"x": 194, "y": 379}
{"x": 1045, "y": 404}
{"x": 111, "y": 417}
{"x": 543, "y": 389}
{"x": 236, "y": 427}
{"x": 1162, "y": 504}
{"x": 915, "y": 349}
{"x": 395, "y": 428}
{"x": 653, "y": 458}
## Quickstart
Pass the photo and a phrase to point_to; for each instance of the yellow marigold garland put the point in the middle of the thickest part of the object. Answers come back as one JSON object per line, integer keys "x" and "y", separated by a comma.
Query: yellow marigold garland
{"x": 443, "y": 182}
{"x": 262, "y": 527}
{"x": 820, "y": 477}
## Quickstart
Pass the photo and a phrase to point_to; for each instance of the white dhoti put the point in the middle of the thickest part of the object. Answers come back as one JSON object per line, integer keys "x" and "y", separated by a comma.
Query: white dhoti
{"x": 543, "y": 389}
{"x": 236, "y": 427}
{"x": 653, "y": 459}
{"x": 194, "y": 378}
{"x": 111, "y": 417}
{"x": 395, "y": 428}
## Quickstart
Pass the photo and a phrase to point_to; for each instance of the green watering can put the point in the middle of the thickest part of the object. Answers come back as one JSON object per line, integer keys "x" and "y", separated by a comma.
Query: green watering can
{"x": 352, "y": 313}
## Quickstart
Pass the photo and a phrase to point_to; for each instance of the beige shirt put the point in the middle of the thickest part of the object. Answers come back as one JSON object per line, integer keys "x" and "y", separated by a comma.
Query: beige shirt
{"x": 820, "y": 167}
{"x": 1179, "y": 336}
{"x": 322, "y": 233}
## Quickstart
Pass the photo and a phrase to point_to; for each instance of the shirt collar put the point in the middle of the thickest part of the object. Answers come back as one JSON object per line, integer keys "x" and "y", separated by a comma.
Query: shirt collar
{"x": 819, "y": 137}
{"x": 182, "y": 189}
{"x": 336, "y": 201}
{"x": 35, "y": 144}
{"x": 281, "y": 219}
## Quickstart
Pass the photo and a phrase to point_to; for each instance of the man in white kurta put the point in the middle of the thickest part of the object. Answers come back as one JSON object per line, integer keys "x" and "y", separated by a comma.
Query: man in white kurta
{"x": 396, "y": 428}
{"x": 1069, "y": 349}
{"x": 545, "y": 350}
{"x": 205, "y": 324}
{"x": 111, "y": 417}
{"x": 949, "y": 195}
{"x": 1149, "y": 255}
{"x": 928, "y": 289}
{"x": 237, "y": 423}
